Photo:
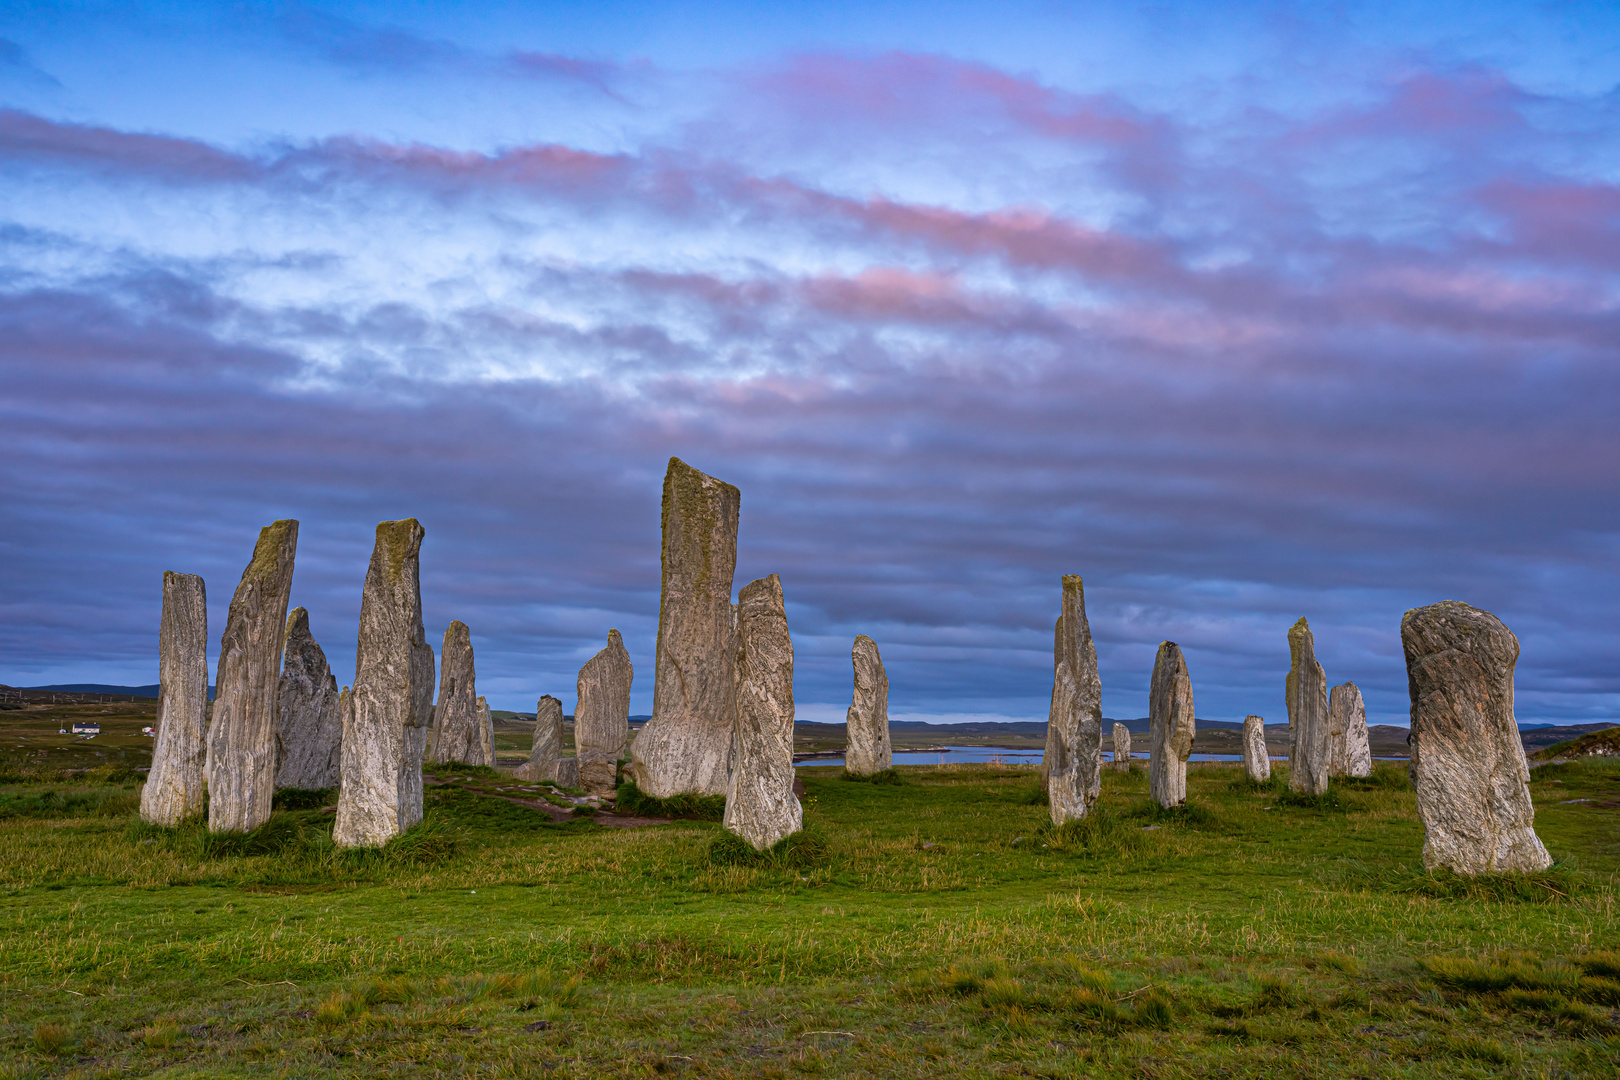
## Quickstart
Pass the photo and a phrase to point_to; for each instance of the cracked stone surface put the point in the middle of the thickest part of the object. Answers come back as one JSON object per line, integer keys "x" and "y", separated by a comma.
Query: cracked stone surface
{"x": 175, "y": 785}
{"x": 1347, "y": 727}
{"x": 686, "y": 746}
{"x": 760, "y": 804}
{"x": 1467, "y": 761}
{"x": 602, "y": 717}
{"x": 546, "y": 749}
{"x": 867, "y": 748}
{"x": 241, "y": 756}
{"x": 1256, "y": 758}
{"x": 1122, "y": 746}
{"x": 458, "y": 730}
{"x": 386, "y": 716}
{"x": 1170, "y": 726}
{"x": 1073, "y": 761}
{"x": 309, "y": 727}
{"x": 1310, "y": 744}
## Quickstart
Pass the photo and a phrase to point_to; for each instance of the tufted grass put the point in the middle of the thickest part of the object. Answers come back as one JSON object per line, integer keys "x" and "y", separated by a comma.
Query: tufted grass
{"x": 935, "y": 927}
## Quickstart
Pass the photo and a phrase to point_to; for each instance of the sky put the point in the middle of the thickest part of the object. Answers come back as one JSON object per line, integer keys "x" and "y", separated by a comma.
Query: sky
{"x": 1243, "y": 312}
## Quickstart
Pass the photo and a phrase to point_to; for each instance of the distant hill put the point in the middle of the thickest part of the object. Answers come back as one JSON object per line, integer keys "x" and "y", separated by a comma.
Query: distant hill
{"x": 106, "y": 688}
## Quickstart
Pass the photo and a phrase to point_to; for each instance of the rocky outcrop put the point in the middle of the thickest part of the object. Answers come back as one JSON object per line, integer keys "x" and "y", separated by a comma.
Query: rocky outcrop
{"x": 1310, "y": 745}
{"x": 1122, "y": 746}
{"x": 1347, "y": 728}
{"x": 385, "y": 724}
{"x": 309, "y": 727}
{"x": 546, "y": 749}
{"x": 242, "y": 732}
{"x": 1170, "y": 726}
{"x": 867, "y": 749}
{"x": 1074, "y": 722}
{"x": 175, "y": 785}
{"x": 760, "y": 805}
{"x": 1256, "y": 758}
{"x": 458, "y": 730}
{"x": 602, "y": 717}
{"x": 686, "y": 746}
{"x": 1467, "y": 762}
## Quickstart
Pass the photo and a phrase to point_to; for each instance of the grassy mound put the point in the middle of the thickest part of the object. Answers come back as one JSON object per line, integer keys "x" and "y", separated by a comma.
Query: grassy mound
{"x": 632, "y": 800}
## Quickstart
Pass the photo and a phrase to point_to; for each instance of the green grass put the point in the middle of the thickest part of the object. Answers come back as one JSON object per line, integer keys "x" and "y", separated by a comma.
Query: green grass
{"x": 630, "y": 799}
{"x": 937, "y": 927}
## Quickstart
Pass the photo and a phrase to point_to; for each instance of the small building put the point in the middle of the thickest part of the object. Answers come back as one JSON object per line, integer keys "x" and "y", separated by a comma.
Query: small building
{"x": 86, "y": 728}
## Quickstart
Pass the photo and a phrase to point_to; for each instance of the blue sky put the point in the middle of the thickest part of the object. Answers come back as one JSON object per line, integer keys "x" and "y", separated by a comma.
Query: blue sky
{"x": 1243, "y": 312}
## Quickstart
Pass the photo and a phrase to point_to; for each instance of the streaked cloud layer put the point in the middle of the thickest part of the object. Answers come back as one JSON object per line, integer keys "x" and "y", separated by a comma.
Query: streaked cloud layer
{"x": 1239, "y": 342}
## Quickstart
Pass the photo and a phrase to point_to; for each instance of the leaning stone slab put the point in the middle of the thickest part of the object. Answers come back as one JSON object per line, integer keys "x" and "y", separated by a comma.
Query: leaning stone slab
{"x": 602, "y": 717}
{"x": 247, "y": 687}
{"x": 1074, "y": 722}
{"x": 1256, "y": 758}
{"x": 686, "y": 746}
{"x": 458, "y": 733}
{"x": 1468, "y": 766}
{"x": 1170, "y": 726}
{"x": 1122, "y": 746}
{"x": 1347, "y": 723}
{"x": 546, "y": 749}
{"x": 760, "y": 805}
{"x": 385, "y": 725}
{"x": 1310, "y": 744}
{"x": 175, "y": 785}
{"x": 309, "y": 727}
{"x": 867, "y": 749}
{"x": 568, "y": 772}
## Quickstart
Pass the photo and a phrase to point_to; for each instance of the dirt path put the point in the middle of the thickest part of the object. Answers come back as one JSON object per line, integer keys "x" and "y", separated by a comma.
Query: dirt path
{"x": 558, "y": 813}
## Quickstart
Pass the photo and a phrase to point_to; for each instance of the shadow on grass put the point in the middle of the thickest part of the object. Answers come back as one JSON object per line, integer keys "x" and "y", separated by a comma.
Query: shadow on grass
{"x": 1557, "y": 883}
{"x": 802, "y": 850}
{"x": 303, "y": 843}
{"x": 884, "y": 776}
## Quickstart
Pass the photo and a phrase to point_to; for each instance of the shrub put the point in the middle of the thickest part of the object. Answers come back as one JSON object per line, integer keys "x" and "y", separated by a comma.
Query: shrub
{"x": 1553, "y": 885}
{"x": 632, "y": 800}
{"x": 160, "y": 1035}
{"x": 1477, "y": 1048}
{"x": 276, "y": 835}
{"x": 1153, "y": 1011}
{"x": 1606, "y": 964}
{"x": 798, "y": 851}
{"x": 884, "y": 776}
{"x": 50, "y": 1037}
{"x": 1100, "y": 834}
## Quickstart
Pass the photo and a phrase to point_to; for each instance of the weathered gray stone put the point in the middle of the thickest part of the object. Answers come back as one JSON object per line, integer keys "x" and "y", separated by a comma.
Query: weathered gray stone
{"x": 1467, "y": 761}
{"x": 546, "y": 749}
{"x": 568, "y": 772}
{"x": 1256, "y": 758}
{"x": 686, "y": 746}
{"x": 1074, "y": 722}
{"x": 385, "y": 725}
{"x": 309, "y": 729}
{"x": 1310, "y": 744}
{"x": 175, "y": 785}
{"x": 1170, "y": 726}
{"x": 486, "y": 732}
{"x": 242, "y": 732}
{"x": 1347, "y": 727}
{"x": 458, "y": 731}
{"x": 760, "y": 805}
{"x": 1122, "y": 746}
{"x": 866, "y": 743}
{"x": 602, "y": 717}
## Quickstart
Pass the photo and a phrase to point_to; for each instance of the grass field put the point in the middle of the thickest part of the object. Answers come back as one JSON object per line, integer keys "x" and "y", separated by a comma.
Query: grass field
{"x": 939, "y": 929}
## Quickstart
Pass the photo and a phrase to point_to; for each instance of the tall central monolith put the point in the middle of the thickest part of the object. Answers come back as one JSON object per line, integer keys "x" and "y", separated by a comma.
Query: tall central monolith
{"x": 545, "y": 750}
{"x": 387, "y": 713}
{"x": 1074, "y": 722}
{"x": 309, "y": 727}
{"x": 247, "y": 687}
{"x": 867, "y": 749}
{"x": 457, "y": 728}
{"x": 1170, "y": 726}
{"x": 760, "y": 804}
{"x": 602, "y": 717}
{"x": 686, "y": 746}
{"x": 1310, "y": 743}
{"x": 175, "y": 785}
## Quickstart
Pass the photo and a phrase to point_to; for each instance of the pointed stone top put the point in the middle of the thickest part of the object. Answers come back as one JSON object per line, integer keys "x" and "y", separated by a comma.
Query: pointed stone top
{"x": 276, "y": 542}
{"x": 769, "y": 588}
{"x": 615, "y": 639}
{"x": 398, "y": 541}
{"x": 680, "y": 472}
{"x": 1301, "y": 642}
{"x": 297, "y": 623}
{"x": 862, "y": 641}
{"x": 1073, "y": 581}
{"x": 457, "y": 633}
{"x": 1169, "y": 648}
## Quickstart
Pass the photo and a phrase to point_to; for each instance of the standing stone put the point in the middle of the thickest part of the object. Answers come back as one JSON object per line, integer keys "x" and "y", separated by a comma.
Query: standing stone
{"x": 1256, "y": 758}
{"x": 1468, "y": 765}
{"x": 486, "y": 732}
{"x": 1170, "y": 726}
{"x": 1074, "y": 722}
{"x": 760, "y": 805}
{"x": 174, "y": 787}
{"x": 309, "y": 729}
{"x": 247, "y": 687}
{"x": 1347, "y": 724}
{"x": 866, "y": 747}
{"x": 458, "y": 733}
{"x": 546, "y": 750}
{"x": 1310, "y": 745}
{"x": 602, "y": 717}
{"x": 1122, "y": 746}
{"x": 686, "y": 746}
{"x": 385, "y": 724}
